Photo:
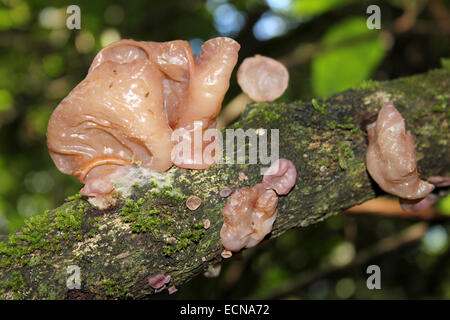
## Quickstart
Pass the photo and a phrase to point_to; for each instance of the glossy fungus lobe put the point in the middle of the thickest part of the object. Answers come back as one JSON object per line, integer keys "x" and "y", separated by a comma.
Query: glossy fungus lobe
{"x": 193, "y": 202}
{"x": 248, "y": 217}
{"x": 439, "y": 181}
{"x": 391, "y": 156}
{"x": 281, "y": 176}
{"x": 136, "y": 95}
{"x": 158, "y": 281}
{"x": 225, "y": 192}
{"x": 262, "y": 78}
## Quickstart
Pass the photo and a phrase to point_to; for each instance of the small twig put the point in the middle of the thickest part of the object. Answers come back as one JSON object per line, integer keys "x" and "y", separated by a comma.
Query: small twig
{"x": 390, "y": 207}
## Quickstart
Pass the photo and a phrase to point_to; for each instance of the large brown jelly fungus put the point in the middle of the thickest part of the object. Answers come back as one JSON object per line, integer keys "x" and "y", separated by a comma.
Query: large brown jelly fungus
{"x": 391, "y": 156}
{"x": 134, "y": 97}
{"x": 248, "y": 217}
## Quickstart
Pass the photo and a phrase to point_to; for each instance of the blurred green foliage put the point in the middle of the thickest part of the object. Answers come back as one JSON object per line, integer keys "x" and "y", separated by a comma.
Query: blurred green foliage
{"x": 41, "y": 61}
{"x": 313, "y": 7}
{"x": 361, "y": 56}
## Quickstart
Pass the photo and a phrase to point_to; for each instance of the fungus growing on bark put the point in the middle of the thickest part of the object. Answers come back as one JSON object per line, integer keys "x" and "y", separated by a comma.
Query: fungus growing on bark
{"x": 281, "y": 176}
{"x": 248, "y": 217}
{"x": 419, "y": 204}
{"x": 193, "y": 202}
{"x": 172, "y": 289}
{"x": 225, "y": 192}
{"x": 226, "y": 254}
{"x": 242, "y": 176}
{"x": 206, "y": 223}
{"x": 99, "y": 187}
{"x": 439, "y": 181}
{"x": 158, "y": 282}
{"x": 134, "y": 97}
{"x": 262, "y": 78}
{"x": 391, "y": 156}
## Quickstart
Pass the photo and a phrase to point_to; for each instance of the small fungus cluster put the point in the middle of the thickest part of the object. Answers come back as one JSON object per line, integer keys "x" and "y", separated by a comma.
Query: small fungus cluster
{"x": 391, "y": 157}
{"x": 250, "y": 212}
{"x": 280, "y": 176}
{"x": 225, "y": 192}
{"x": 134, "y": 97}
{"x": 159, "y": 282}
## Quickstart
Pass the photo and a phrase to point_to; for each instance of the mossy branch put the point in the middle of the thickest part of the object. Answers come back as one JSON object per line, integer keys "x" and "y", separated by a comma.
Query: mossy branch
{"x": 152, "y": 231}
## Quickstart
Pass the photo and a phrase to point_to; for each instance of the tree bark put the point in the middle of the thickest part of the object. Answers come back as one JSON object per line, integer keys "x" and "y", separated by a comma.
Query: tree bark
{"x": 152, "y": 231}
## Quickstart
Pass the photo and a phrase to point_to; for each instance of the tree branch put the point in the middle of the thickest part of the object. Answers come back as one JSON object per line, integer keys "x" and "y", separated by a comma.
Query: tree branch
{"x": 152, "y": 232}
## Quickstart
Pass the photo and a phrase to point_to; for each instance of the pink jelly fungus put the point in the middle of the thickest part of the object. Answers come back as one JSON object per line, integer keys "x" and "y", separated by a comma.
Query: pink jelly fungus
{"x": 391, "y": 156}
{"x": 418, "y": 204}
{"x": 158, "y": 281}
{"x": 136, "y": 95}
{"x": 248, "y": 217}
{"x": 172, "y": 290}
{"x": 226, "y": 254}
{"x": 262, "y": 78}
{"x": 439, "y": 181}
{"x": 242, "y": 176}
{"x": 193, "y": 202}
{"x": 225, "y": 192}
{"x": 281, "y": 176}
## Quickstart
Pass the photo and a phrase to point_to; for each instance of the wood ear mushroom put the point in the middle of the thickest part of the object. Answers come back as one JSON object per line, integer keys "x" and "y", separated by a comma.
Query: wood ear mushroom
{"x": 262, "y": 78}
{"x": 248, "y": 217}
{"x": 391, "y": 156}
{"x": 281, "y": 176}
{"x": 135, "y": 95}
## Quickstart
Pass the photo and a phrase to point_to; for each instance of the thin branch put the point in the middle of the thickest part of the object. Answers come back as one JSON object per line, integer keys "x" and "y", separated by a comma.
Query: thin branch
{"x": 389, "y": 207}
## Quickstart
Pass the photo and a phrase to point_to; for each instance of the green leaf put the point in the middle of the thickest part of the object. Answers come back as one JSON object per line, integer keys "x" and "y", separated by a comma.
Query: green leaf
{"x": 316, "y": 7}
{"x": 6, "y": 100}
{"x": 445, "y": 63}
{"x": 443, "y": 205}
{"x": 53, "y": 65}
{"x": 357, "y": 53}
